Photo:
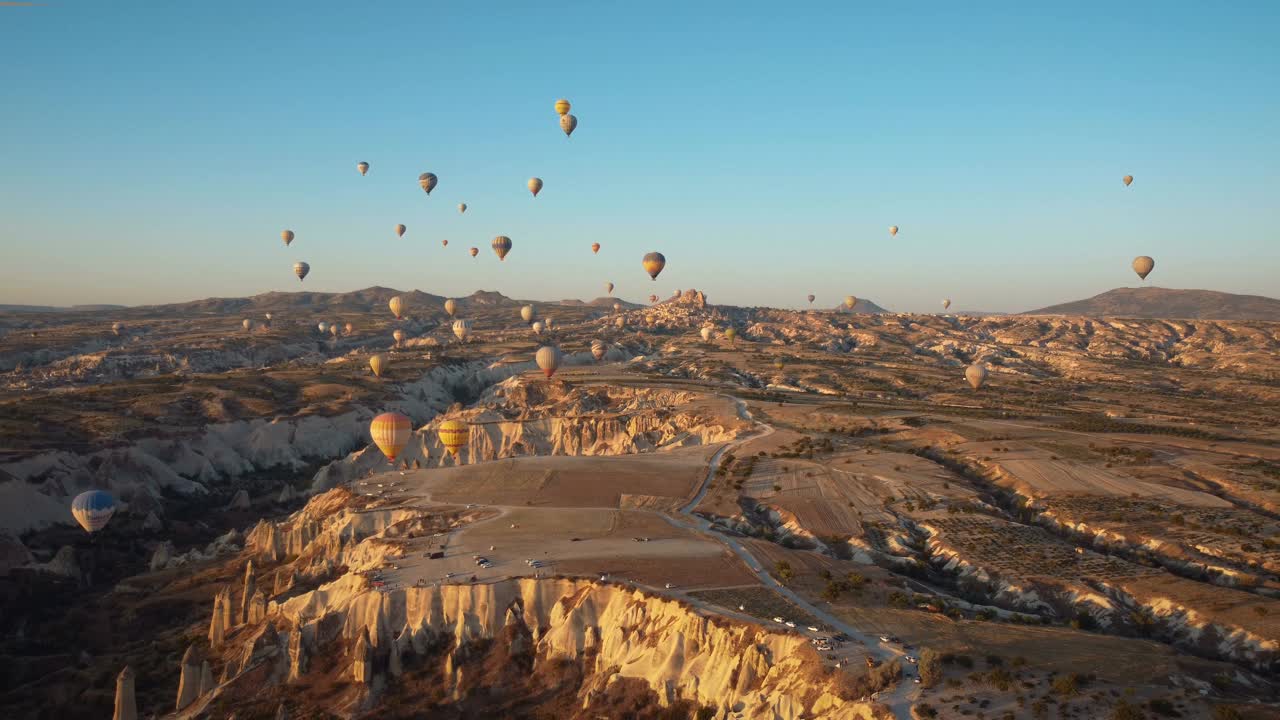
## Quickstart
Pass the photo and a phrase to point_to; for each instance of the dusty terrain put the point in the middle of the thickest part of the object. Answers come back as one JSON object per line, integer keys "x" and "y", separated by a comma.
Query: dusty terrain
{"x": 1095, "y": 529}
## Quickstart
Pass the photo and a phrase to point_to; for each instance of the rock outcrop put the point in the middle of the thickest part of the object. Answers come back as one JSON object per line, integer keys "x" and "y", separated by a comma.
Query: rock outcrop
{"x": 126, "y": 704}
{"x": 188, "y": 679}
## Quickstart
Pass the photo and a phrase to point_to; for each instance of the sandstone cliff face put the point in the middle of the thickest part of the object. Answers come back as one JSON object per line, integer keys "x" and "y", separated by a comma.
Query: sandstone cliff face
{"x": 616, "y": 632}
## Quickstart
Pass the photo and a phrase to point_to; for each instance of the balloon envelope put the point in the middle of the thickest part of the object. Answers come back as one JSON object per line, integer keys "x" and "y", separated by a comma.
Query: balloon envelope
{"x": 538, "y": 327}
{"x": 850, "y": 301}
{"x": 526, "y": 313}
{"x": 462, "y": 328}
{"x": 301, "y": 269}
{"x": 946, "y": 303}
{"x": 1143, "y": 265}
{"x": 598, "y": 349}
{"x": 812, "y": 297}
{"x": 117, "y": 327}
{"x": 568, "y": 124}
{"x": 427, "y": 181}
{"x": 1128, "y": 180}
{"x": 893, "y": 229}
{"x": 608, "y": 288}
{"x": 363, "y": 168}
{"x": 474, "y": 251}
{"x": 400, "y": 230}
{"x": 653, "y": 264}
{"x": 535, "y": 185}
{"x": 397, "y": 306}
{"x": 501, "y": 246}
{"x": 548, "y": 359}
{"x": 398, "y": 335}
{"x": 454, "y": 435}
{"x": 595, "y": 248}
{"x": 976, "y": 374}
{"x": 377, "y": 364}
{"x": 93, "y": 509}
{"x": 287, "y": 237}
{"x": 391, "y": 433}
{"x": 450, "y": 306}
{"x": 247, "y": 323}
{"x": 462, "y": 207}
{"x": 706, "y": 333}
{"x": 562, "y": 106}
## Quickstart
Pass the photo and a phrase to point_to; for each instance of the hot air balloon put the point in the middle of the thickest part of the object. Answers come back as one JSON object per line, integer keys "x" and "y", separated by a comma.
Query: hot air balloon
{"x": 548, "y": 358}
{"x": 1128, "y": 180}
{"x": 348, "y": 328}
{"x": 1143, "y": 265}
{"x": 474, "y": 251}
{"x": 546, "y": 323}
{"x": 621, "y": 322}
{"x": 93, "y": 509}
{"x": 653, "y": 264}
{"x": 893, "y": 230}
{"x": 287, "y": 237}
{"x": 976, "y": 374}
{"x": 268, "y": 317}
{"x": 562, "y": 107}
{"x": 454, "y": 435}
{"x": 333, "y": 329}
{"x": 444, "y": 243}
{"x": 462, "y": 328}
{"x": 398, "y": 336}
{"x": 526, "y": 313}
{"x": 535, "y": 185}
{"x": 598, "y": 349}
{"x": 568, "y": 124}
{"x": 391, "y": 432}
{"x": 501, "y": 245}
{"x": 537, "y": 327}
{"x": 462, "y": 207}
{"x": 301, "y": 269}
{"x": 608, "y": 288}
{"x": 117, "y": 328}
{"x": 450, "y": 306}
{"x": 617, "y": 307}
{"x": 397, "y": 306}
{"x": 731, "y": 335}
{"x": 778, "y": 364}
{"x": 427, "y": 181}
{"x": 363, "y": 168}
{"x": 595, "y": 248}
{"x": 706, "y": 334}
{"x": 377, "y": 363}
{"x": 323, "y": 327}
{"x": 850, "y": 301}
{"x": 653, "y": 298}
{"x": 400, "y": 230}
{"x": 247, "y": 323}
{"x": 812, "y": 297}
{"x": 946, "y": 303}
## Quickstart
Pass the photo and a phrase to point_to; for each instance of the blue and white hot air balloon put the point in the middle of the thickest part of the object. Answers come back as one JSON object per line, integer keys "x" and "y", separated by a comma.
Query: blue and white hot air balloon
{"x": 93, "y": 509}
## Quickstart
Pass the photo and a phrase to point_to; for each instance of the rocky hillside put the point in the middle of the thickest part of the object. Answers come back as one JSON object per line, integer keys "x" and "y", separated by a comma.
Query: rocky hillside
{"x": 1154, "y": 302}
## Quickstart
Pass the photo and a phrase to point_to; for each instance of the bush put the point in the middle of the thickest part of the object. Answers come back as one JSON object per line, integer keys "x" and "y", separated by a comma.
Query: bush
{"x": 1067, "y": 685}
{"x": 784, "y": 571}
{"x": 930, "y": 667}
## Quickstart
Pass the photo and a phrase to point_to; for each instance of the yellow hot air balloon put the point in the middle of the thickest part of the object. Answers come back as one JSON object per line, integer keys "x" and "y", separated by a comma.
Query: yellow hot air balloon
{"x": 535, "y": 185}
{"x": 301, "y": 269}
{"x": 444, "y": 243}
{"x": 706, "y": 334}
{"x": 400, "y": 230}
{"x": 117, "y": 328}
{"x": 850, "y": 301}
{"x": 1128, "y": 180}
{"x": 653, "y": 264}
{"x": 608, "y": 288}
{"x": 462, "y": 207}
{"x": 1143, "y": 265}
{"x": 427, "y": 181}
{"x": 562, "y": 107}
{"x": 568, "y": 124}
{"x": 391, "y": 432}
{"x": 450, "y": 306}
{"x": 462, "y": 328}
{"x": 377, "y": 363}
{"x": 398, "y": 336}
{"x": 363, "y": 168}
{"x": 620, "y": 322}
{"x": 501, "y": 246}
{"x": 778, "y": 364}
{"x": 537, "y": 327}
{"x": 893, "y": 230}
{"x": 454, "y": 435}
{"x": 976, "y": 374}
{"x": 349, "y": 328}
{"x": 287, "y": 237}
{"x": 526, "y": 313}
{"x": 397, "y": 306}
{"x": 731, "y": 335}
{"x": 946, "y": 303}
{"x": 595, "y": 248}
{"x": 474, "y": 251}
{"x": 247, "y": 323}
{"x": 548, "y": 358}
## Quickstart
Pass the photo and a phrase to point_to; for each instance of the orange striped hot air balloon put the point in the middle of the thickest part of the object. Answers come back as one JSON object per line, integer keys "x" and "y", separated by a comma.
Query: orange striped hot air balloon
{"x": 286, "y": 236}
{"x": 454, "y": 435}
{"x": 568, "y": 123}
{"x": 391, "y": 432}
{"x": 501, "y": 246}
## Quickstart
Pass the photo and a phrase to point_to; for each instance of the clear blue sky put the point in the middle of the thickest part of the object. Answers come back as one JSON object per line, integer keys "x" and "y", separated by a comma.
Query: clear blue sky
{"x": 153, "y": 151}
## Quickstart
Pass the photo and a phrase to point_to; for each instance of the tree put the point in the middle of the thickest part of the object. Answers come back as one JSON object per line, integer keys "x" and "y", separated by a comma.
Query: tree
{"x": 930, "y": 666}
{"x": 785, "y": 573}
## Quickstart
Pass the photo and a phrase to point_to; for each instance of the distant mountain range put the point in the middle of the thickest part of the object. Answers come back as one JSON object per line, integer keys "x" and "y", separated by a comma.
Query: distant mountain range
{"x": 862, "y": 306}
{"x": 1153, "y": 302}
{"x": 50, "y": 308}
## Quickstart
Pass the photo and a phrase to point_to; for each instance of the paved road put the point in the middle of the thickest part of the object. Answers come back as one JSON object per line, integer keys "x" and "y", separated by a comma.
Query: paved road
{"x": 906, "y": 693}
